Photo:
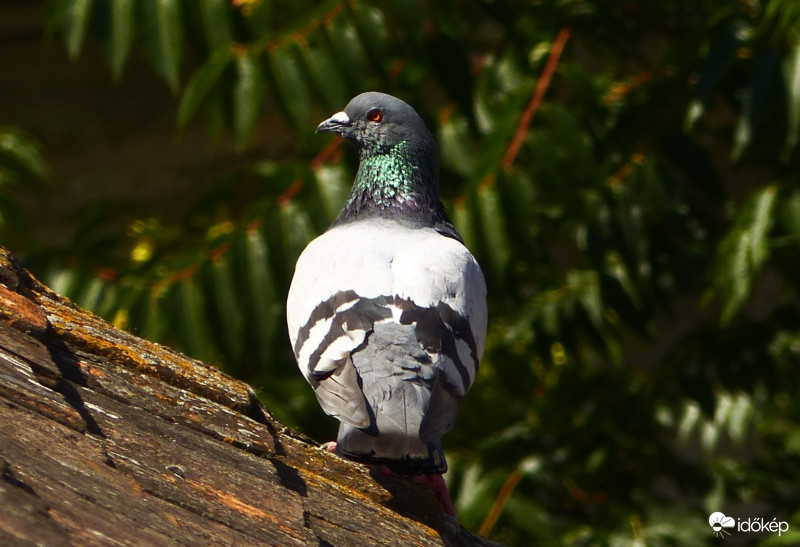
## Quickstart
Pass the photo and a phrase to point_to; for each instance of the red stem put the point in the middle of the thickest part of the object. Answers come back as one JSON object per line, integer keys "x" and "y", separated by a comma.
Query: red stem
{"x": 536, "y": 100}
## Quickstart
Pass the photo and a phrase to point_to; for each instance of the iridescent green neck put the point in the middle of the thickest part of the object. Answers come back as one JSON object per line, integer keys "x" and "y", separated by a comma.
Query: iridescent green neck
{"x": 397, "y": 182}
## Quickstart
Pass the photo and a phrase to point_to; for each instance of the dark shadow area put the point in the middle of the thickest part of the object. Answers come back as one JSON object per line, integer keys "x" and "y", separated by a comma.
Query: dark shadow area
{"x": 8, "y": 477}
{"x": 71, "y": 373}
{"x": 289, "y": 477}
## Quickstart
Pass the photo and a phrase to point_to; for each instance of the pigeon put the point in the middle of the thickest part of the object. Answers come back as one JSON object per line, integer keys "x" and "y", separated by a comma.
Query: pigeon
{"x": 387, "y": 308}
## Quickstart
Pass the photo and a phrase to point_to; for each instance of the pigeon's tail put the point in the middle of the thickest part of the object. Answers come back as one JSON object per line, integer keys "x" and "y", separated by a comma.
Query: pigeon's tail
{"x": 398, "y": 380}
{"x": 360, "y": 446}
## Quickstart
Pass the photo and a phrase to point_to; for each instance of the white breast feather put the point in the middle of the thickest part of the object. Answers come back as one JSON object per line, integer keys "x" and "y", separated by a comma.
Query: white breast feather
{"x": 375, "y": 259}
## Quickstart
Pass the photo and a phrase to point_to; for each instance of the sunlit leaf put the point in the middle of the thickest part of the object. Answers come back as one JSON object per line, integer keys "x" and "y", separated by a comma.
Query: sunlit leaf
{"x": 744, "y": 250}
{"x": 689, "y": 420}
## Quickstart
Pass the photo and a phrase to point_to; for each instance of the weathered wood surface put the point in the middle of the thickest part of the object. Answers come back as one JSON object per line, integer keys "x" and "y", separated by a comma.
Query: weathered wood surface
{"x": 108, "y": 439}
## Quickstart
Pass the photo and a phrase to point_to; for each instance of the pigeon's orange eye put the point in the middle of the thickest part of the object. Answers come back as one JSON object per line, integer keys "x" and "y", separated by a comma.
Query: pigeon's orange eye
{"x": 375, "y": 115}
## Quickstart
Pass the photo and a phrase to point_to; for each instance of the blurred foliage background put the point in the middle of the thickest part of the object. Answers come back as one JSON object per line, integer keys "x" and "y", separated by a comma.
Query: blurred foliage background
{"x": 625, "y": 171}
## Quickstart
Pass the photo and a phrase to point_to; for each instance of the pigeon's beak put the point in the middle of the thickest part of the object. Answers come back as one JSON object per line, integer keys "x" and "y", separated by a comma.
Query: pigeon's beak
{"x": 339, "y": 123}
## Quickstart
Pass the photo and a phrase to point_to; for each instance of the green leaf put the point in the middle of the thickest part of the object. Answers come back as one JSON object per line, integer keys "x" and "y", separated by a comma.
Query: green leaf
{"x": 693, "y": 113}
{"x": 296, "y": 231}
{"x": 372, "y": 29}
{"x": 171, "y": 38}
{"x": 790, "y": 215}
{"x": 20, "y": 158}
{"x": 90, "y": 295}
{"x": 689, "y": 421}
{"x": 333, "y": 185}
{"x": 154, "y": 322}
{"x": 77, "y": 23}
{"x": 529, "y": 516}
{"x": 755, "y": 101}
{"x": 216, "y": 23}
{"x": 743, "y": 133}
{"x": 348, "y": 51}
{"x": 291, "y": 86}
{"x": 762, "y": 218}
{"x": 201, "y": 83}
{"x": 720, "y": 57}
{"x": 229, "y": 307}
{"x": 586, "y": 285}
{"x": 492, "y": 220}
{"x": 164, "y": 36}
{"x": 62, "y": 280}
{"x": 744, "y": 250}
{"x": 791, "y": 78}
{"x": 248, "y": 93}
{"x": 739, "y": 417}
{"x": 519, "y": 205}
{"x": 325, "y": 76}
{"x": 262, "y": 293}
{"x": 464, "y": 221}
{"x": 55, "y": 14}
{"x": 193, "y": 320}
{"x": 454, "y": 149}
{"x": 122, "y": 24}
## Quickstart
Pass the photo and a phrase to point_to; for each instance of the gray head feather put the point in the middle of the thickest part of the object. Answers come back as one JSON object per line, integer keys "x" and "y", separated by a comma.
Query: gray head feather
{"x": 398, "y": 176}
{"x": 375, "y": 120}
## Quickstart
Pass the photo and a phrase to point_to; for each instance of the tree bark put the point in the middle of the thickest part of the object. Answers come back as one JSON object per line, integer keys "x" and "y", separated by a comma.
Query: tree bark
{"x": 109, "y": 439}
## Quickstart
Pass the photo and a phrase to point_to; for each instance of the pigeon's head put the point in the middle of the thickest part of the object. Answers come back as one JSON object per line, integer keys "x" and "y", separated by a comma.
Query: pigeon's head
{"x": 376, "y": 122}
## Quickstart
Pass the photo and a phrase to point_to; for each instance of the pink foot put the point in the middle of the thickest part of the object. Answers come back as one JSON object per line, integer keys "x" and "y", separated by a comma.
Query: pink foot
{"x": 330, "y": 446}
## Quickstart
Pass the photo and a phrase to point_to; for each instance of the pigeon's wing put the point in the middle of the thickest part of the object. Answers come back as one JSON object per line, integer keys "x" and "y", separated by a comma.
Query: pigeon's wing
{"x": 330, "y": 314}
{"x": 323, "y": 345}
{"x": 451, "y": 327}
{"x": 362, "y": 275}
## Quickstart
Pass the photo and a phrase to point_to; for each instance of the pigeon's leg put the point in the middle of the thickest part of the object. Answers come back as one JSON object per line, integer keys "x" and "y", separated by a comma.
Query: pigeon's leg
{"x": 434, "y": 482}
{"x": 439, "y": 487}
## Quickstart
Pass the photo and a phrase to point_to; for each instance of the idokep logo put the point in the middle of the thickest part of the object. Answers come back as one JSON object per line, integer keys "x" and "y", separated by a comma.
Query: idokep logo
{"x": 718, "y": 522}
{"x": 721, "y": 525}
